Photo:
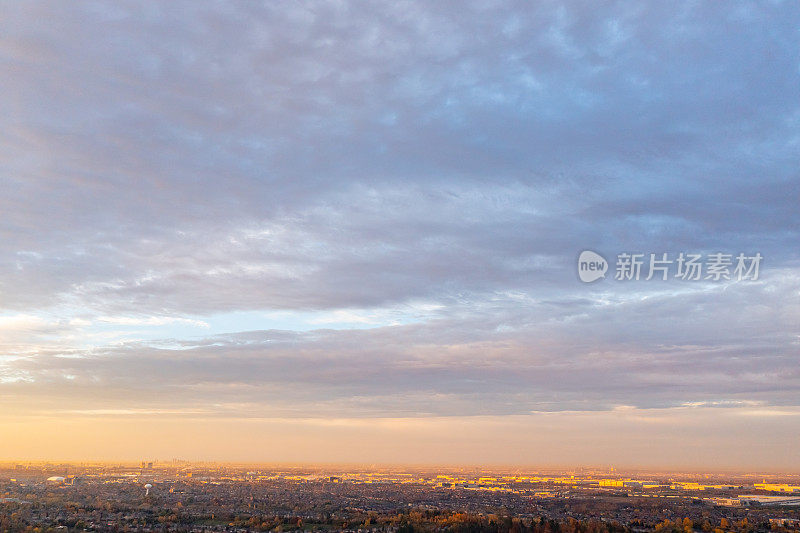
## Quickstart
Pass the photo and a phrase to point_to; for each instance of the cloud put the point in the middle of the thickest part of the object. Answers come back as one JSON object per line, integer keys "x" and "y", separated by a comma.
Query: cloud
{"x": 339, "y": 163}
{"x": 729, "y": 347}
{"x": 381, "y": 147}
{"x": 150, "y": 321}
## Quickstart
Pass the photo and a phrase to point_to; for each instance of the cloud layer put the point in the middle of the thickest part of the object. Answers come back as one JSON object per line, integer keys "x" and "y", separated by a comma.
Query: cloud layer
{"x": 365, "y": 211}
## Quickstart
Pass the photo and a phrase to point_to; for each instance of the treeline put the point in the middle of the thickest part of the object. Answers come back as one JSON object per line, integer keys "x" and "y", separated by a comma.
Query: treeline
{"x": 428, "y": 522}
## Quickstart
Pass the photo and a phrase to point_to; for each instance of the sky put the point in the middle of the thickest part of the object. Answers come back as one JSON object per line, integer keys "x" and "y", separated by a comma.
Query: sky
{"x": 347, "y": 231}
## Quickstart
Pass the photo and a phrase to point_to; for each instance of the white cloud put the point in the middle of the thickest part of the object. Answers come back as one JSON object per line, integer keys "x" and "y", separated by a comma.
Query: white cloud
{"x": 151, "y": 321}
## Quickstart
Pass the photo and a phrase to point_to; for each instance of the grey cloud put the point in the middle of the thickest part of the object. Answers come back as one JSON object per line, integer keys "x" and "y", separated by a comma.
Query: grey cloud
{"x": 183, "y": 159}
{"x": 666, "y": 351}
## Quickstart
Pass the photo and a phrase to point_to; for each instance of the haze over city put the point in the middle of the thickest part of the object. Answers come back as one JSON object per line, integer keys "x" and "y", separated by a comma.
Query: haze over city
{"x": 337, "y": 232}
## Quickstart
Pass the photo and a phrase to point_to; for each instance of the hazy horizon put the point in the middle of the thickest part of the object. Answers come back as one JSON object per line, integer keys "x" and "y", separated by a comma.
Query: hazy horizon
{"x": 606, "y": 471}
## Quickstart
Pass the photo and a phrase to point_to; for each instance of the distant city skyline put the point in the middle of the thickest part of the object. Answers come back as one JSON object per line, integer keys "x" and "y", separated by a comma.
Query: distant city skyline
{"x": 221, "y": 497}
{"x": 349, "y": 232}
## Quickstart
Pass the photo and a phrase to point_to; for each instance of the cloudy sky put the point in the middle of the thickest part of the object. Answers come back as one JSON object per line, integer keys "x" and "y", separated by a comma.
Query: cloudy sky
{"x": 349, "y": 231}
